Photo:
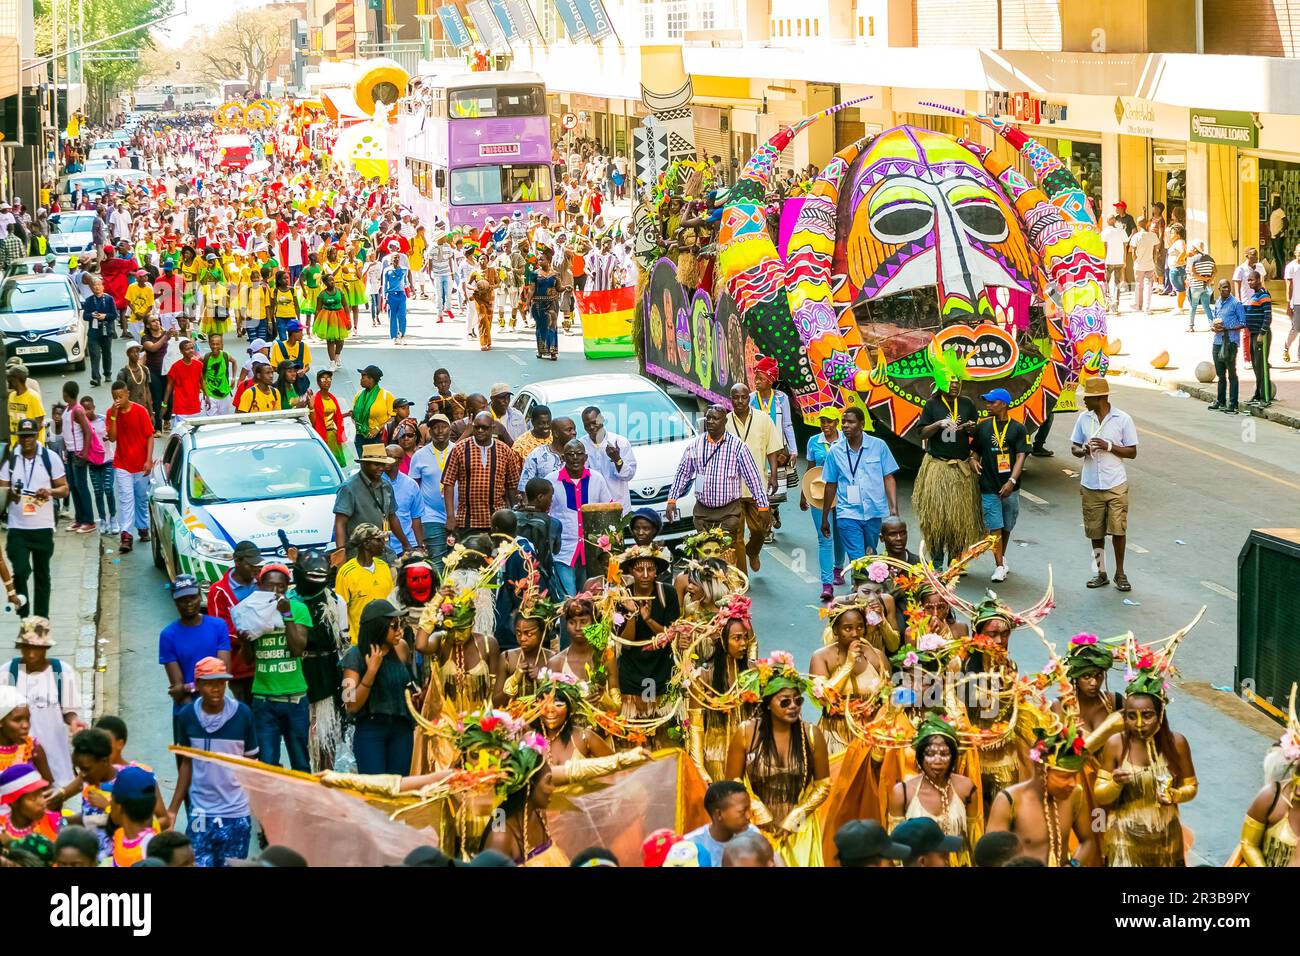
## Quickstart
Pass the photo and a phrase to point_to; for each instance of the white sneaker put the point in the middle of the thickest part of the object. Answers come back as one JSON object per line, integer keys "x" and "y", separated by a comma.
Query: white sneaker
{"x": 1000, "y": 573}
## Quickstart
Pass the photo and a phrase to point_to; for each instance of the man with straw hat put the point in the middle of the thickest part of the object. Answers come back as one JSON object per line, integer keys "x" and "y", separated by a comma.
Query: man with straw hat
{"x": 51, "y": 687}
{"x": 1103, "y": 437}
{"x": 366, "y": 498}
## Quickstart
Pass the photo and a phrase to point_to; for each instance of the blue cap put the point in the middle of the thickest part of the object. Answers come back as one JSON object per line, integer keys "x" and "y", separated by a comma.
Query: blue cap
{"x": 293, "y": 326}
{"x": 997, "y": 395}
{"x": 649, "y": 514}
{"x": 185, "y": 585}
{"x": 134, "y": 783}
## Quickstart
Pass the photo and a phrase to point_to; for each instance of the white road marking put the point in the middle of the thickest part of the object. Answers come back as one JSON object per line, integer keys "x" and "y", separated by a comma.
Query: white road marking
{"x": 515, "y": 358}
{"x": 1032, "y": 497}
{"x": 1219, "y": 589}
{"x": 1138, "y": 549}
{"x": 784, "y": 559}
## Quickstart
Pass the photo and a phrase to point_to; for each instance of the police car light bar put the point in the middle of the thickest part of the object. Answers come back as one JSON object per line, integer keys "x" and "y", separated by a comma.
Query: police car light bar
{"x": 245, "y": 418}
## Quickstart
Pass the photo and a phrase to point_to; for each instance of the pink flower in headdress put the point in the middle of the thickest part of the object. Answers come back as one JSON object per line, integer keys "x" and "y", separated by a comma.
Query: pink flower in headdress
{"x": 1129, "y": 675}
{"x": 930, "y": 642}
{"x": 447, "y": 607}
{"x": 1290, "y": 746}
{"x": 737, "y": 609}
{"x": 1037, "y": 752}
{"x": 911, "y": 659}
{"x": 878, "y": 572}
{"x": 782, "y": 659}
{"x": 1084, "y": 639}
{"x": 603, "y": 542}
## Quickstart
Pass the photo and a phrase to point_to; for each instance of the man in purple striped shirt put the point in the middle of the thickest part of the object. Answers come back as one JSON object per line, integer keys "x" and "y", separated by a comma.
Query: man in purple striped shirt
{"x": 717, "y": 461}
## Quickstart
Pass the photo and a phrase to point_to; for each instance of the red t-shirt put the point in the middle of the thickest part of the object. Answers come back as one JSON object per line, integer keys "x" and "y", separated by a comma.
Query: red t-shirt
{"x": 187, "y": 381}
{"x": 134, "y": 437}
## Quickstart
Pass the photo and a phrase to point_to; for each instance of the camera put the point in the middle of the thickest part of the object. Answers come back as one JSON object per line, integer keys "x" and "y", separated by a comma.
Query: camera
{"x": 17, "y": 486}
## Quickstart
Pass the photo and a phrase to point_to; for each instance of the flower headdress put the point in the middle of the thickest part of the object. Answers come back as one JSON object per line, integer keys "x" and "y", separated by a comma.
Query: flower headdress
{"x": 1063, "y": 749}
{"x": 930, "y": 652}
{"x": 691, "y": 545}
{"x": 771, "y": 675}
{"x": 870, "y": 567}
{"x": 1148, "y": 667}
{"x": 1088, "y": 653}
{"x": 450, "y": 612}
{"x": 534, "y": 601}
{"x": 1029, "y": 617}
{"x": 571, "y": 690}
{"x": 454, "y": 607}
{"x": 493, "y": 742}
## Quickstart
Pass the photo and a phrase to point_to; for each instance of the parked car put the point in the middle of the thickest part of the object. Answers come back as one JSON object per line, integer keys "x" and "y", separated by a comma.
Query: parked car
{"x": 231, "y": 478}
{"x": 51, "y": 264}
{"x": 645, "y": 415}
{"x": 72, "y": 233}
{"x": 41, "y": 321}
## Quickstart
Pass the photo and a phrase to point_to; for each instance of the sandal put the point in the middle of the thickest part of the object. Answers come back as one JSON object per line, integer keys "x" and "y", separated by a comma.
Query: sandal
{"x": 1100, "y": 581}
{"x": 1121, "y": 583}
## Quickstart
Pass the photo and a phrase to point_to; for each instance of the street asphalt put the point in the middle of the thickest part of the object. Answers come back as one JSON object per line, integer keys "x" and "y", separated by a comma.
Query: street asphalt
{"x": 1200, "y": 482}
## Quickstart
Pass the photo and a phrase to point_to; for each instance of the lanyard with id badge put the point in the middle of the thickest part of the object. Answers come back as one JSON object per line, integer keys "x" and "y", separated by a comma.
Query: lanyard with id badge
{"x": 852, "y": 493}
{"x": 1003, "y": 456}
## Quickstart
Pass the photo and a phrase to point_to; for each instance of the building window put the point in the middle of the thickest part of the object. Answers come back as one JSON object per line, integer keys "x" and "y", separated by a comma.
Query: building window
{"x": 677, "y": 18}
{"x": 648, "y": 18}
{"x": 706, "y": 16}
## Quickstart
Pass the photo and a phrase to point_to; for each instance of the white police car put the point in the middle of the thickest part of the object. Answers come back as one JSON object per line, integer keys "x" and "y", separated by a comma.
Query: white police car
{"x": 232, "y": 478}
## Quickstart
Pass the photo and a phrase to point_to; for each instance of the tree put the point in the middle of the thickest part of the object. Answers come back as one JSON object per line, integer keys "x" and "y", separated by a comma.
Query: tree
{"x": 247, "y": 46}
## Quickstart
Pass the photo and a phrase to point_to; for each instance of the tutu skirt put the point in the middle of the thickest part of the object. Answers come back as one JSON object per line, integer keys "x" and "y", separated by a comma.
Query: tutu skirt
{"x": 354, "y": 293}
{"x": 332, "y": 325}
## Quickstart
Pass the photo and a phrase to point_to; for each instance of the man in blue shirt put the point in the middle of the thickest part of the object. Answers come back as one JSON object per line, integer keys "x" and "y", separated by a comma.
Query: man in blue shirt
{"x": 426, "y": 470}
{"x": 187, "y": 640}
{"x": 1229, "y": 320}
{"x": 1258, "y": 306}
{"x": 864, "y": 467}
{"x": 406, "y": 494}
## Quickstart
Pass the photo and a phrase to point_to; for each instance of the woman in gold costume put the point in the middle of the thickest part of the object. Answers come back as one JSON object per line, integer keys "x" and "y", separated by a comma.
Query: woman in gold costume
{"x": 710, "y": 728}
{"x": 575, "y": 753}
{"x": 1146, "y": 770}
{"x": 467, "y": 664}
{"x": 782, "y": 761}
{"x": 598, "y": 666}
{"x": 938, "y": 791}
{"x": 848, "y": 666}
{"x": 1269, "y": 832}
{"x": 521, "y": 665}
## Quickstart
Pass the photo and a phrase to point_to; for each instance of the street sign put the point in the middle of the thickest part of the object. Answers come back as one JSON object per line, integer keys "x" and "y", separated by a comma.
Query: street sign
{"x": 569, "y": 120}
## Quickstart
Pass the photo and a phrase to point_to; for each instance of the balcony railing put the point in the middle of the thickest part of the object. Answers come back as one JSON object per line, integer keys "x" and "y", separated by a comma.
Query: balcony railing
{"x": 408, "y": 53}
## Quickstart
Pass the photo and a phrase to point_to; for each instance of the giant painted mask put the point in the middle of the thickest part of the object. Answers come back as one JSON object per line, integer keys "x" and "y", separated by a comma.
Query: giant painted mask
{"x": 914, "y": 241}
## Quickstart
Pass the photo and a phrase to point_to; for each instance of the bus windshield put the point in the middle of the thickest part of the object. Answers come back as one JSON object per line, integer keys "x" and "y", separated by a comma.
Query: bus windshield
{"x": 487, "y": 101}
{"x": 486, "y": 185}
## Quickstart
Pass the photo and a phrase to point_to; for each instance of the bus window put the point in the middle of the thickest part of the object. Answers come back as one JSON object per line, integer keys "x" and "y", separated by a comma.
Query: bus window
{"x": 527, "y": 183}
{"x": 490, "y": 101}
{"x": 487, "y": 185}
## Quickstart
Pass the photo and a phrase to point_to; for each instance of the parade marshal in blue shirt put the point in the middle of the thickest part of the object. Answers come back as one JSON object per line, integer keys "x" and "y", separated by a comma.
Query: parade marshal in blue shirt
{"x": 860, "y": 486}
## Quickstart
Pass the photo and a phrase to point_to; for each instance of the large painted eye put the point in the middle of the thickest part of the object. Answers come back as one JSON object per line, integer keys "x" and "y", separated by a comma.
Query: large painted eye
{"x": 984, "y": 219}
{"x": 903, "y": 221}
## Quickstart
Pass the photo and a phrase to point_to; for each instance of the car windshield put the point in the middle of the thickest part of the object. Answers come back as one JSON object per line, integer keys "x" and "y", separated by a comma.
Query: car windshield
{"x": 34, "y": 297}
{"x": 260, "y": 471}
{"x": 643, "y": 418}
{"x": 74, "y": 222}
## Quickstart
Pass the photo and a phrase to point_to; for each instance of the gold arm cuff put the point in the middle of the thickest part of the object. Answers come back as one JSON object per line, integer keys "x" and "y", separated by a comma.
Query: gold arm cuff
{"x": 1108, "y": 728}
{"x": 821, "y": 789}
{"x": 511, "y": 687}
{"x": 695, "y": 740}
{"x": 1106, "y": 791}
{"x": 373, "y": 784}
{"x": 578, "y": 769}
{"x": 1185, "y": 792}
{"x": 843, "y": 672}
{"x": 1252, "y": 839}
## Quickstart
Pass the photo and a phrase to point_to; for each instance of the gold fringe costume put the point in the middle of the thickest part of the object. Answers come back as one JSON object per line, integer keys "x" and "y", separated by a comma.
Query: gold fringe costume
{"x": 1140, "y": 830}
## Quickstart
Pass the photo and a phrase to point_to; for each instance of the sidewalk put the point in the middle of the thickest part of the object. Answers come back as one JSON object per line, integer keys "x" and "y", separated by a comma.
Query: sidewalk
{"x": 1144, "y": 337}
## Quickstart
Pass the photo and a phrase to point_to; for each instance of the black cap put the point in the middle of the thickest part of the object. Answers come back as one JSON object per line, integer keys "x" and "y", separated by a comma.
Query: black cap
{"x": 491, "y": 858}
{"x": 922, "y": 835}
{"x": 29, "y": 426}
{"x": 377, "y": 609}
{"x": 248, "y": 551}
{"x": 861, "y": 840}
{"x": 402, "y": 401}
{"x": 649, "y": 514}
{"x": 374, "y": 371}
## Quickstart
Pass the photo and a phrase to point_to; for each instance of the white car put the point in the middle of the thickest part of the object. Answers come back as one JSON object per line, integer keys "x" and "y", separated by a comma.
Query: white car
{"x": 40, "y": 317}
{"x": 640, "y": 411}
{"x": 72, "y": 233}
{"x": 232, "y": 478}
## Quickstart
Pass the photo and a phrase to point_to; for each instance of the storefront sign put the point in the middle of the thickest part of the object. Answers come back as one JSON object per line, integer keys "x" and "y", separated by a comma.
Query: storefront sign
{"x": 1135, "y": 117}
{"x": 498, "y": 149}
{"x": 1224, "y": 127}
{"x": 1024, "y": 108}
{"x": 572, "y": 19}
{"x": 453, "y": 25}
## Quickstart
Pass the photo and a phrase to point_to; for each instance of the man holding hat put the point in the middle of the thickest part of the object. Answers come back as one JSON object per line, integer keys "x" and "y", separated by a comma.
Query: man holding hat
{"x": 32, "y": 478}
{"x": 53, "y": 696}
{"x": 864, "y": 843}
{"x": 1103, "y": 437}
{"x": 999, "y": 447}
{"x": 366, "y": 499}
{"x": 220, "y": 820}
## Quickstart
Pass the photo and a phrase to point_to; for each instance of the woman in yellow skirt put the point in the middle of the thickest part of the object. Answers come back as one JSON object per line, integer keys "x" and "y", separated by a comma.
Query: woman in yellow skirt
{"x": 214, "y": 293}
{"x": 284, "y": 304}
{"x": 352, "y": 285}
{"x": 309, "y": 286}
{"x": 332, "y": 323}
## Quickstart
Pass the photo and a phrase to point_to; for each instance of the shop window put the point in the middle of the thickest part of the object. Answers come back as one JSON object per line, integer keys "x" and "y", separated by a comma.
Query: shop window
{"x": 1279, "y": 188}
{"x": 705, "y": 15}
{"x": 678, "y": 17}
{"x": 648, "y": 18}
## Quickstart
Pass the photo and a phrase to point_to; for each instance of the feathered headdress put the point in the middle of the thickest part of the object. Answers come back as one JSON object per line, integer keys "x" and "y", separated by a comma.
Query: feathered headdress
{"x": 946, "y": 367}
{"x": 1030, "y": 616}
{"x": 1148, "y": 667}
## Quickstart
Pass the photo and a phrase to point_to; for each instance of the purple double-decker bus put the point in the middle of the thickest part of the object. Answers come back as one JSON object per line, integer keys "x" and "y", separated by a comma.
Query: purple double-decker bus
{"x": 476, "y": 145}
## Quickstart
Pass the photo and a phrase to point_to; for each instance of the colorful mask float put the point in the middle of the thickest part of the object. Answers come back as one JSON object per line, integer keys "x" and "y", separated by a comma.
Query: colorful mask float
{"x": 912, "y": 243}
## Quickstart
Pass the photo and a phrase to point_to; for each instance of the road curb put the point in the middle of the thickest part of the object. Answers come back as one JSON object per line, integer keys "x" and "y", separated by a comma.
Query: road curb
{"x": 107, "y": 644}
{"x": 1282, "y": 417}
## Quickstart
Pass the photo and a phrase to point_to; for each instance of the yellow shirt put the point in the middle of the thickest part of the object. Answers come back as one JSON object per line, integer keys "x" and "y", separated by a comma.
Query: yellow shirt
{"x": 284, "y": 304}
{"x": 381, "y": 411}
{"x": 190, "y": 271}
{"x": 140, "y": 298}
{"x": 254, "y": 400}
{"x": 358, "y": 586}
{"x": 26, "y": 405}
{"x": 760, "y": 437}
{"x": 280, "y": 353}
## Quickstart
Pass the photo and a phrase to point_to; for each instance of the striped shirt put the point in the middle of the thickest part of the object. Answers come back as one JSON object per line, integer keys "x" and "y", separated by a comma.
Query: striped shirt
{"x": 1259, "y": 309}
{"x": 717, "y": 469}
{"x": 1199, "y": 272}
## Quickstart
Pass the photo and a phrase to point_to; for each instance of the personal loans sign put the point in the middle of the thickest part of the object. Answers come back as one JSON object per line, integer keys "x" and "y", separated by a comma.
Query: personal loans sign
{"x": 1224, "y": 127}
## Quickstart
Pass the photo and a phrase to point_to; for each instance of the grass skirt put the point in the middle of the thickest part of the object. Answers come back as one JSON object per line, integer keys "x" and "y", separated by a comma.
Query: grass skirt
{"x": 946, "y": 500}
{"x": 332, "y": 325}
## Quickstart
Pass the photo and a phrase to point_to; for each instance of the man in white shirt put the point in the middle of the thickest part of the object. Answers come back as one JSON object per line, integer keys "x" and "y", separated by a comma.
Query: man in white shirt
{"x": 1103, "y": 437}
{"x": 1292, "y": 303}
{"x": 1115, "y": 239}
{"x": 573, "y": 486}
{"x": 1252, "y": 262}
{"x": 1144, "y": 244}
{"x": 53, "y": 695}
{"x": 120, "y": 222}
{"x": 609, "y": 454}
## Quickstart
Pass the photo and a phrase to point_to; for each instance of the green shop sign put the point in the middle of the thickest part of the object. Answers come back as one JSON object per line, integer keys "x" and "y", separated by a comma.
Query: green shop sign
{"x": 1224, "y": 127}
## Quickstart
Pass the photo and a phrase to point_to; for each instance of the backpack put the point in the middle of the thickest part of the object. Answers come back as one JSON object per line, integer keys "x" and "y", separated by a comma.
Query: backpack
{"x": 11, "y": 459}
{"x": 535, "y": 526}
{"x": 54, "y": 662}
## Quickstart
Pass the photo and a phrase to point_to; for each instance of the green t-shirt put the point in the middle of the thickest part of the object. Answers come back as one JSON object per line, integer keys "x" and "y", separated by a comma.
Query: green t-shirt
{"x": 276, "y": 672}
{"x": 310, "y": 277}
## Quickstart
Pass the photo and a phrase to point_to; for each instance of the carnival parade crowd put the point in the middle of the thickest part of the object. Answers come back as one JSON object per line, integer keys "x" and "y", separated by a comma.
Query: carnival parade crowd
{"x": 498, "y": 623}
